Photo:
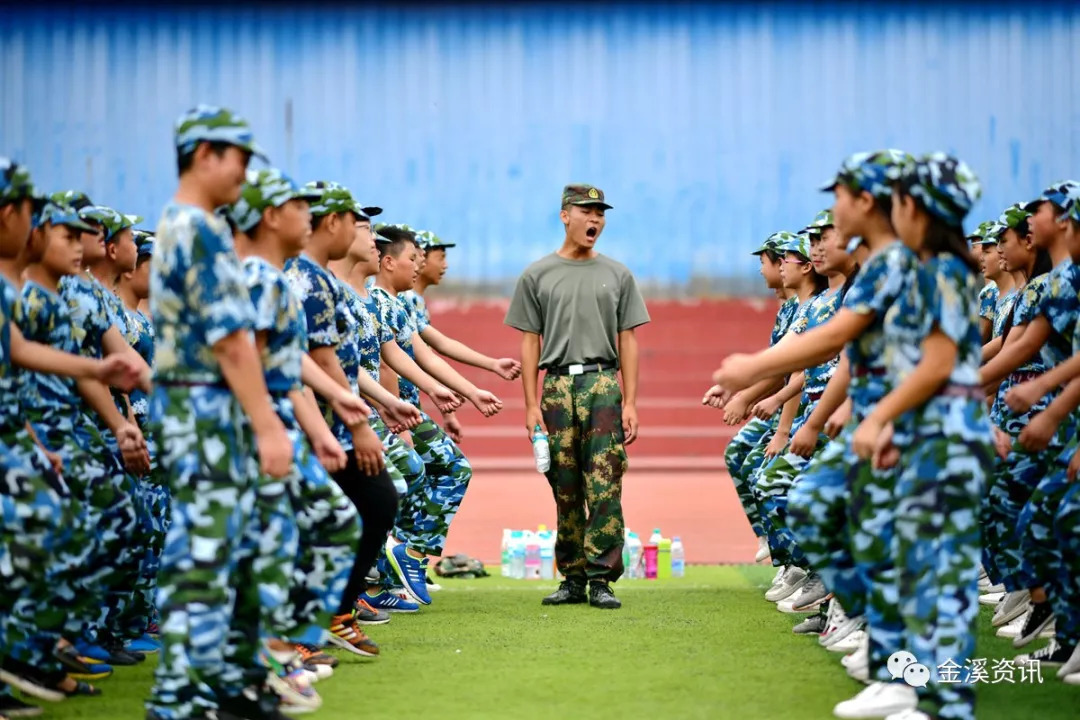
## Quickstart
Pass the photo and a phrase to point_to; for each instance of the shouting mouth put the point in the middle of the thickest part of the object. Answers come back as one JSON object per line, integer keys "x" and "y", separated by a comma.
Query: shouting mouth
{"x": 590, "y": 233}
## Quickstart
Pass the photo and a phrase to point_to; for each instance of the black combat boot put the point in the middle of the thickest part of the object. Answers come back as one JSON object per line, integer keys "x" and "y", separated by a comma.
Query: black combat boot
{"x": 600, "y": 596}
{"x": 571, "y": 592}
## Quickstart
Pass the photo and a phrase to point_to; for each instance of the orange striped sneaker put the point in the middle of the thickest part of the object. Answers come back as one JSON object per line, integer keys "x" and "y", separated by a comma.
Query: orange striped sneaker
{"x": 346, "y": 635}
{"x": 313, "y": 655}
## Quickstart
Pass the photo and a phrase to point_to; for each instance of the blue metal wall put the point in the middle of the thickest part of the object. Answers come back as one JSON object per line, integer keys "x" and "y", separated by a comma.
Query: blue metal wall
{"x": 708, "y": 127}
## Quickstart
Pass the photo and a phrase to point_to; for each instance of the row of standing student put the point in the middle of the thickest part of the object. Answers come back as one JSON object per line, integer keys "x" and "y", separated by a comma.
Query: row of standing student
{"x": 887, "y": 497}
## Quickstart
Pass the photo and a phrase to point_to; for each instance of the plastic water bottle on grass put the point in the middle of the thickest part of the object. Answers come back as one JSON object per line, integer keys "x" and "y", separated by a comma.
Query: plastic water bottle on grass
{"x": 678, "y": 558}
{"x": 504, "y": 568}
{"x": 532, "y": 557}
{"x": 635, "y": 551}
{"x": 517, "y": 555}
{"x": 547, "y": 553}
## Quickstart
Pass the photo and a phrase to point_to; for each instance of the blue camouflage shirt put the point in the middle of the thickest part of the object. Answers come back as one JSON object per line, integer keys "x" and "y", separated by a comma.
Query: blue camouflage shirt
{"x": 140, "y": 336}
{"x": 1005, "y": 306}
{"x": 10, "y": 417}
{"x": 821, "y": 308}
{"x": 1025, "y": 310}
{"x": 93, "y": 311}
{"x": 197, "y": 294}
{"x": 416, "y": 304}
{"x": 988, "y": 300}
{"x": 374, "y": 334}
{"x": 784, "y": 316}
{"x": 279, "y": 314}
{"x": 391, "y": 312}
{"x": 1060, "y": 306}
{"x": 885, "y": 277}
{"x": 45, "y": 317}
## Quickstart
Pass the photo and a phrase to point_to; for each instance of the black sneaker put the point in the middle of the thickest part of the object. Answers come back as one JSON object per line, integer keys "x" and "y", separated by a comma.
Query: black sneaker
{"x": 12, "y": 707}
{"x": 570, "y": 592}
{"x": 250, "y": 706}
{"x": 1052, "y": 655}
{"x": 813, "y": 625}
{"x": 1039, "y": 616}
{"x": 117, "y": 654}
{"x": 600, "y": 596}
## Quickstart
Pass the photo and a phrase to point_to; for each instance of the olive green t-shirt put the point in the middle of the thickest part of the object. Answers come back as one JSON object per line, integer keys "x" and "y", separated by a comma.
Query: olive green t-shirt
{"x": 578, "y": 307}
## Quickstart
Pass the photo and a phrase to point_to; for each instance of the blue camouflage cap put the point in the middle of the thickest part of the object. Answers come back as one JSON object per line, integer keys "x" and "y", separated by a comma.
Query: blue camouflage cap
{"x": 978, "y": 235}
{"x": 15, "y": 182}
{"x": 428, "y": 240}
{"x": 389, "y": 233}
{"x": 992, "y": 234}
{"x": 769, "y": 245}
{"x": 209, "y": 123}
{"x": 54, "y": 213}
{"x": 1072, "y": 204}
{"x": 1058, "y": 193}
{"x": 334, "y": 198}
{"x": 784, "y": 242}
{"x": 945, "y": 186}
{"x": 822, "y": 220}
{"x": 72, "y": 198}
{"x": 1012, "y": 216}
{"x": 265, "y": 189}
{"x": 873, "y": 172}
{"x": 111, "y": 220}
{"x": 144, "y": 243}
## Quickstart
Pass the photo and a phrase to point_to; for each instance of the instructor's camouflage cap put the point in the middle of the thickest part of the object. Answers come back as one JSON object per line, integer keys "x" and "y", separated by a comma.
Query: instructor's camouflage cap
{"x": 15, "y": 182}
{"x": 583, "y": 195}
{"x": 945, "y": 185}
{"x": 265, "y": 189}
{"x": 1072, "y": 205}
{"x": 1012, "y": 216}
{"x": 823, "y": 220}
{"x": 56, "y": 214}
{"x": 1058, "y": 193}
{"x": 873, "y": 172}
{"x": 208, "y": 123}
{"x": 112, "y": 221}
{"x": 72, "y": 198}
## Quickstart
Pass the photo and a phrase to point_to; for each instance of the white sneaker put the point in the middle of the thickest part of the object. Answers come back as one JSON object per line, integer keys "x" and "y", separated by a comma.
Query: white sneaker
{"x": 1012, "y": 630}
{"x": 433, "y": 587}
{"x": 992, "y": 598}
{"x": 909, "y": 715}
{"x": 777, "y": 581}
{"x": 860, "y": 656}
{"x": 1071, "y": 666}
{"x": 834, "y": 618}
{"x": 321, "y": 672}
{"x": 843, "y": 629}
{"x": 794, "y": 579}
{"x": 984, "y": 579}
{"x": 879, "y": 700}
{"x": 1011, "y": 607}
{"x": 848, "y": 644}
{"x": 1073, "y": 679}
{"x": 762, "y": 549}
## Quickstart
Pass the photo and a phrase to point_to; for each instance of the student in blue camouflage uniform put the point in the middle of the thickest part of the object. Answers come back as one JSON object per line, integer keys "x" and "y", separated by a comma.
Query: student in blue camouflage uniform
{"x": 988, "y": 300}
{"x": 333, "y": 337}
{"x": 934, "y": 422}
{"x": 274, "y": 213}
{"x": 427, "y": 511}
{"x": 132, "y": 288}
{"x": 1050, "y": 305}
{"x": 211, "y": 416}
{"x": 776, "y": 478}
{"x": 753, "y": 433}
{"x": 841, "y": 509}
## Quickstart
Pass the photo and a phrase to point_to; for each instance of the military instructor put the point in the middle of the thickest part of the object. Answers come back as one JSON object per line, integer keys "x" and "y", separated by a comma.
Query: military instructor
{"x": 577, "y": 310}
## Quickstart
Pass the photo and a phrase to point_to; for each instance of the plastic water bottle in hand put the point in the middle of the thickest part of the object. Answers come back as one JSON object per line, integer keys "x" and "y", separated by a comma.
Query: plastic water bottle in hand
{"x": 541, "y": 451}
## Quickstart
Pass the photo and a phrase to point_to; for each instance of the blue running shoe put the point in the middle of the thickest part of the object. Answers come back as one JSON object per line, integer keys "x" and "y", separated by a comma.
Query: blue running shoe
{"x": 144, "y": 644}
{"x": 389, "y": 602}
{"x": 412, "y": 571}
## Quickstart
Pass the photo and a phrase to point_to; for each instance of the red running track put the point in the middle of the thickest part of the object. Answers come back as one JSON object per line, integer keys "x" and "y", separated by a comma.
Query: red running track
{"x": 676, "y": 481}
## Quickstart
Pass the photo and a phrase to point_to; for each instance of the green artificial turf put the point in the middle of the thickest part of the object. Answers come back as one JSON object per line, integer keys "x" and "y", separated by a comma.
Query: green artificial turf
{"x": 706, "y": 646}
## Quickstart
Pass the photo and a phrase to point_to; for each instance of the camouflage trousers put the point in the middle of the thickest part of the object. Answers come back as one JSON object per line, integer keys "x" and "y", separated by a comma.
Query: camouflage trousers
{"x": 583, "y": 415}
{"x": 937, "y": 560}
{"x": 207, "y": 582}
{"x": 329, "y": 531}
{"x": 749, "y": 437}
{"x": 429, "y": 507}
{"x": 1039, "y": 542}
{"x": 1067, "y": 532}
{"x": 406, "y": 470}
{"x": 771, "y": 487}
{"x": 32, "y": 522}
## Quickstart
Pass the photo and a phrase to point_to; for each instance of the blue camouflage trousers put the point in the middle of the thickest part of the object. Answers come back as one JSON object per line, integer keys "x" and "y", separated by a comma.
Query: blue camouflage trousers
{"x": 406, "y": 469}
{"x": 749, "y": 437}
{"x": 1067, "y": 532}
{"x": 329, "y": 531}
{"x": 207, "y": 575}
{"x": 774, "y": 482}
{"x": 937, "y": 560}
{"x": 32, "y": 523}
{"x": 426, "y": 513}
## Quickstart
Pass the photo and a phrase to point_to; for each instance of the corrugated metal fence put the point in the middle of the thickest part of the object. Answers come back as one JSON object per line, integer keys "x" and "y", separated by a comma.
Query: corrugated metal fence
{"x": 708, "y": 126}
